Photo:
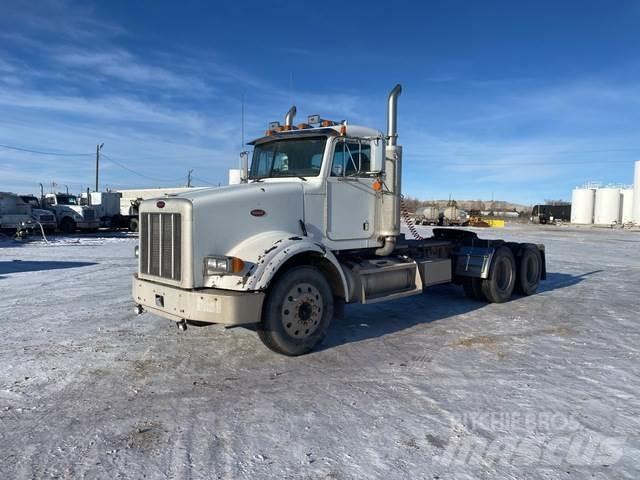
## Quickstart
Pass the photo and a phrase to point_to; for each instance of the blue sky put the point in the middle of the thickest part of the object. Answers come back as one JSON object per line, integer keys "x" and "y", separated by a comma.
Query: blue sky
{"x": 519, "y": 100}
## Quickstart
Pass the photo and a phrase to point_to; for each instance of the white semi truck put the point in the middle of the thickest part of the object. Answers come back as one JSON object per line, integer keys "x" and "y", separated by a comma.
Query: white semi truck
{"x": 130, "y": 201}
{"x": 44, "y": 217}
{"x": 316, "y": 226}
{"x": 15, "y": 214}
{"x": 70, "y": 215}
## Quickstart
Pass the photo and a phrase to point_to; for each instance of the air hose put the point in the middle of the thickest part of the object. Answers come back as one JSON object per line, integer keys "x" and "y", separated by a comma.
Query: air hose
{"x": 408, "y": 221}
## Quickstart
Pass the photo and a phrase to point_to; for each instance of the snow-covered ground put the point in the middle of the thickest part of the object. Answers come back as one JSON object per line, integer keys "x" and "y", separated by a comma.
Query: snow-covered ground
{"x": 434, "y": 386}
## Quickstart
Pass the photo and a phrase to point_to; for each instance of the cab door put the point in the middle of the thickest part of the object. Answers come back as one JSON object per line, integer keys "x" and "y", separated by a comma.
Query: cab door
{"x": 351, "y": 199}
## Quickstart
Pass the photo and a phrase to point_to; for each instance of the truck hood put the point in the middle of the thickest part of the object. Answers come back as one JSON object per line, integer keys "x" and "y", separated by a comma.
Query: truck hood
{"x": 224, "y": 217}
{"x": 72, "y": 209}
{"x": 38, "y": 212}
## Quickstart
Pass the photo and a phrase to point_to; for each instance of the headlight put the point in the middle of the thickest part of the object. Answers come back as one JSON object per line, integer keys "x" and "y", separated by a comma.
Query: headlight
{"x": 221, "y": 265}
{"x": 136, "y": 251}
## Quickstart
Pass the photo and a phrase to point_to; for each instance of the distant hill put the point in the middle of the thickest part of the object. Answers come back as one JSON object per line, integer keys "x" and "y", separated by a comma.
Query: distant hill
{"x": 495, "y": 205}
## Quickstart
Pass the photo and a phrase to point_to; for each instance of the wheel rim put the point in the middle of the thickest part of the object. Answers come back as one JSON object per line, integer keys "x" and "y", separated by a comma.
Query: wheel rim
{"x": 302, "y": 310}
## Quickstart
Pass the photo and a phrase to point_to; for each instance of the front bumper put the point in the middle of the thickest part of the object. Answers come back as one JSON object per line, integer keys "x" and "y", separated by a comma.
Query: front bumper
{"x": 88, "y": 225}
{"x": 209, "y": 305}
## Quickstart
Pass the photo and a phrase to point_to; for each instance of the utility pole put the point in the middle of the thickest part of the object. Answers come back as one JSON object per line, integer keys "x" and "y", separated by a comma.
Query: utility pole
{"x": 189, "y": 178}
{"x": 98, "y": 148}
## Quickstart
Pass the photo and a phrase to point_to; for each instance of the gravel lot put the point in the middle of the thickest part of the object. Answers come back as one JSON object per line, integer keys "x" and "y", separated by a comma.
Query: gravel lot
{"x": 434, "y": 386}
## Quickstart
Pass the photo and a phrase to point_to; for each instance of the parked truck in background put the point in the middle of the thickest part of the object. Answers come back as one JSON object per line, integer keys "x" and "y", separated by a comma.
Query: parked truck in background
{"x": 107, "y": 207}
{"x": 454, "y": 216}
{"x": 15, "y": 214}
{"x": 130, "y": 201}
{"x": 70, "y": 215}
{"x": 316, "y": 226}
{"x": 427, "y": 215}
{"x": 544, "y": 214}
{"x": 44, "y": 217}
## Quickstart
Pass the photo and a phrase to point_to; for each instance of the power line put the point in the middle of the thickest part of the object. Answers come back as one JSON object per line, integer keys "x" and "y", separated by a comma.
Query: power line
{"x": 206, "y": 181}
{"x": 19, "y": 149}
{"x": 532, "y": 163}
{"x": 538, "y": 154}
{"x": 103, "y": 155}
{"x": 115, "y": 162}
{"x": 108, "y": 157}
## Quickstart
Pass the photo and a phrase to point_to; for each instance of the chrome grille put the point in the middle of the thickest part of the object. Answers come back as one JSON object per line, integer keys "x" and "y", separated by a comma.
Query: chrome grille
{"x": 160, "y": 244}
{"x": 89, "y": 215}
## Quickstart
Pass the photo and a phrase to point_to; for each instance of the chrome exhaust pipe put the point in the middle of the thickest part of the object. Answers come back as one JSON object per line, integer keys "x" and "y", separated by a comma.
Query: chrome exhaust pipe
{"x": 390, "y": 211}
{"x": 392, "y": 114}
{"x": 288, "y": 118}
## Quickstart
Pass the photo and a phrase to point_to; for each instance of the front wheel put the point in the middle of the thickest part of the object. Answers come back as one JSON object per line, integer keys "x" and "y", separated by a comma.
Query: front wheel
{"x": 297, "y": 312}
{"x": 133, "y": 225}
{"x": 68, "y": 225}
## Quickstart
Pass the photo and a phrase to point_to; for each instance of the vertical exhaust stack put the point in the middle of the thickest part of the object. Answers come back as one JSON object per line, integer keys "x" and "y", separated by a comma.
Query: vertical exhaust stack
{"x": 392, "y": 115}
{"x": 390, "y": 211}
{"x": 288, "y": 118}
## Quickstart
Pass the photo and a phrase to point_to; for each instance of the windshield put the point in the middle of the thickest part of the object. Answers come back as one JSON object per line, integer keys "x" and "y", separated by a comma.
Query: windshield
{"x": 301, "y": 157}
{"x": 67, "y": 200}
{"x": 33, "y": 201}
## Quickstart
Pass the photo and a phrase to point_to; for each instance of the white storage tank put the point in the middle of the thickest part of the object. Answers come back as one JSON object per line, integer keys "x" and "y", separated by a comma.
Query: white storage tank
{"x": 626, "y": 197}
{"x": 607, "y": 209}
{"x": 582, "y": 205}
{"x": 636, "y": 194}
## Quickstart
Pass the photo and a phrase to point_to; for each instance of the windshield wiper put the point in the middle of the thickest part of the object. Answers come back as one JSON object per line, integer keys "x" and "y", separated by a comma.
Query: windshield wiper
{"x": 257, "y": 179}
{"x": 301, "y": 177}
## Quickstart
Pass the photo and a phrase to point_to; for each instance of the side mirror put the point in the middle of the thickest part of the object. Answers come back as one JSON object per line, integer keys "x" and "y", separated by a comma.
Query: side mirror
{"x": 377, "y": 155}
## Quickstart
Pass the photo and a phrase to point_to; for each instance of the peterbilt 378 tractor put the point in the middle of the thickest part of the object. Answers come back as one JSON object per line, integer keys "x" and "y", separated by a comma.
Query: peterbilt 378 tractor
{"x": 316, "y": 225}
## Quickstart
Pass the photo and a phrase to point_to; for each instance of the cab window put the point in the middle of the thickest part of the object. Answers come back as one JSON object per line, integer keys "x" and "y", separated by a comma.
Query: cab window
{"x": 351, "y": 159}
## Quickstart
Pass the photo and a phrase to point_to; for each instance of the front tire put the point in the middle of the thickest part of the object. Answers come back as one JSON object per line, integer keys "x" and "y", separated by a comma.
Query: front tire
{"x": 68, "y": 225}
{"x": 297, "y": 312}
{"x": 502, "y": 277}
{"x": 133, "y": 225}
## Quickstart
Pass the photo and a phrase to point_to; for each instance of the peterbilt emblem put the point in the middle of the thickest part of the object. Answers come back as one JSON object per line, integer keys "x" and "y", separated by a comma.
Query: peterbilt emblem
{"x": 160, "y": 204}
{"x": 258, "y": 212}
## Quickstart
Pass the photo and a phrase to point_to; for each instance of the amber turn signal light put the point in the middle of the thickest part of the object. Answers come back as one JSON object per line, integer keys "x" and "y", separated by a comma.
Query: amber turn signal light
{"x": 237, "y": 265}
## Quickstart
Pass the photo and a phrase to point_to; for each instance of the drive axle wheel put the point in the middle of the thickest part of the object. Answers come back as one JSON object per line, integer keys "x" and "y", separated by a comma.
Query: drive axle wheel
{"x": 473, "y": 289}
{"x": 502, "y": 277}
{"x": 529, "y": 271}
{"x": 297, "y": 312}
